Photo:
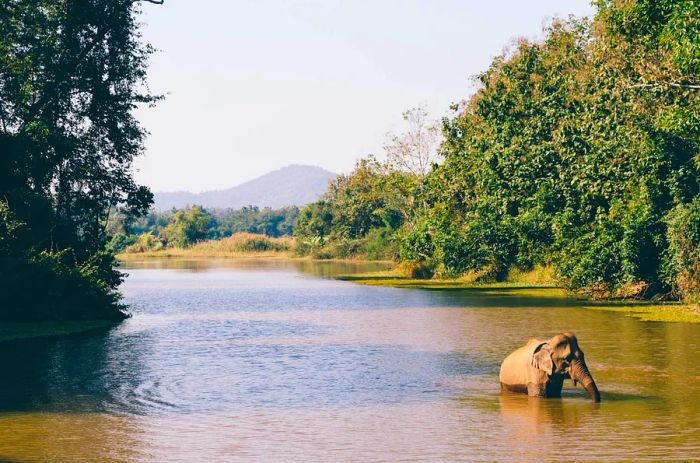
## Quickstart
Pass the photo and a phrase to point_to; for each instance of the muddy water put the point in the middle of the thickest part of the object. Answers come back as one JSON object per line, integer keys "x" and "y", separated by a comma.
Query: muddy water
{"x": 275, "y": 361}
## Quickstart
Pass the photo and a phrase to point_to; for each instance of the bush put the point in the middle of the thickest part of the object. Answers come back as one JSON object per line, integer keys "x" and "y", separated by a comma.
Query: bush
{"x": 486, "y": 244}
{"x": 682, "y": 260}
{"x": 120, "y": 242}
{"x": 67, "y": 291}
{"x": 593, "y": 259}
{"x": 144, "y": 243}
{"x": 343, "y": 248}
{"x": 188, "y": 226}
{"x": 42, "y": 285}
{"x": 381, "y": 244}
{"x": 417, "y": 243}
{"x": 423, "y": 270}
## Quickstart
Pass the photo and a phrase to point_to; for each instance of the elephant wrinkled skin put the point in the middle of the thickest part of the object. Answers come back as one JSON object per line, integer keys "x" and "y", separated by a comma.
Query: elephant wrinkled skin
{"x": 539, "y": 368}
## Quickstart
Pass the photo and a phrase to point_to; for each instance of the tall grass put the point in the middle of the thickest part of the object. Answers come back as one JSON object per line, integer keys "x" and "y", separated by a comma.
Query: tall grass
{"x": 237, "y": 245}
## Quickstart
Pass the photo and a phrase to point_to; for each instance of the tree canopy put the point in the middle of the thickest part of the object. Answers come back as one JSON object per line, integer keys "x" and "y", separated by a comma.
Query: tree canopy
{"x": 71, "y": 74}
{"x": 578, "y": 151}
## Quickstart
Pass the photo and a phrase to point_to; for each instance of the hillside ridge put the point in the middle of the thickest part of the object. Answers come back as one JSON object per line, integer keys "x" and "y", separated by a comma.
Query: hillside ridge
{"x": 292, "y": 185}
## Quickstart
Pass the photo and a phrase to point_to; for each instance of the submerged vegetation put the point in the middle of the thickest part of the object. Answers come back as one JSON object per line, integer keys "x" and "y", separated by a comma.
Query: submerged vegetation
{"x": 578, "y": 152}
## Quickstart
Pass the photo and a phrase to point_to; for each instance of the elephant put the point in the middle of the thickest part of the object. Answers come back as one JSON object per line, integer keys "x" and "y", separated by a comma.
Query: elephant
{"x": 539, "y": 368}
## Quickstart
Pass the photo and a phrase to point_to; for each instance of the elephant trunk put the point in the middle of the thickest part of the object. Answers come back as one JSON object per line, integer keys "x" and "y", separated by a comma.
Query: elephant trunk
{"x": 579, "y": 372}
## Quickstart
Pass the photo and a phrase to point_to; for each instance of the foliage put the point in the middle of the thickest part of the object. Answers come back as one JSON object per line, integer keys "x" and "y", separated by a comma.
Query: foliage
{"x": 240, "y": 244}
{"x": 682, "y": 268}
{"x": 71, "y": 74}
{"x": 142, "y": 243}
{"x": 315, "y": 222}
{"x": 578, "y": 152}
{"x": 565, "y": 156}
{"x": 188, "y": 226}
{"x": 361, "y": 214}
{"x": 185, "y": 227}
{"x": 252, "y": 219}
{"x": 69, "y": 289}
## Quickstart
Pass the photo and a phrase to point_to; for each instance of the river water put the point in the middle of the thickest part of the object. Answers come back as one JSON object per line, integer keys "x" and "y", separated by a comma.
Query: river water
{"x": 269, "y": 360}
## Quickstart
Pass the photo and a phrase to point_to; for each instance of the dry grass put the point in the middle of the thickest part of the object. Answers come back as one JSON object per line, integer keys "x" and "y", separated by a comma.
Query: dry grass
{"x": 237, "y": 245}
{"x": 539, "y": 276}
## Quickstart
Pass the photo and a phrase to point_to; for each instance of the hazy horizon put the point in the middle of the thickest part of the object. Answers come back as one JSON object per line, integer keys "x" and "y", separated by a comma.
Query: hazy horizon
{"x": 255, "y": 86}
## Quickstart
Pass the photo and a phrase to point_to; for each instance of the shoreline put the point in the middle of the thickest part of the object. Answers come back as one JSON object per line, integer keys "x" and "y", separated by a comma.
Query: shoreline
{"x": 643, "y": 310}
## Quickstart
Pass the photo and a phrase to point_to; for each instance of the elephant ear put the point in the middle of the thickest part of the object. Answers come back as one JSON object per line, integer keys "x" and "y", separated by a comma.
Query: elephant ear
{"x": 542, "y": 358}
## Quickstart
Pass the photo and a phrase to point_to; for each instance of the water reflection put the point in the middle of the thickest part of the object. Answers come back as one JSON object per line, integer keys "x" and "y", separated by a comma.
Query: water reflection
{"x": 320, "y": 268}
{"x": 264, "y": 360}
{"x": 85, "y": 373}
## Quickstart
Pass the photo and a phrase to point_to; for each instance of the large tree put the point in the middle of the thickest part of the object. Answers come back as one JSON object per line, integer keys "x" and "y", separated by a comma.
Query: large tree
{"x": 72, "y": 72}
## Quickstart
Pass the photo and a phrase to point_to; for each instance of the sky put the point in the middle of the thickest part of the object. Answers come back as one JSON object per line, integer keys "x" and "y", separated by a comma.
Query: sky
{"x": 254, "y": 85}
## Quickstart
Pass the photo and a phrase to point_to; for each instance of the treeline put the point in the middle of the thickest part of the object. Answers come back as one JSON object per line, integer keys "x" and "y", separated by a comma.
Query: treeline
{"x": 578, "y": 152}
{"x": 181, "y": 228}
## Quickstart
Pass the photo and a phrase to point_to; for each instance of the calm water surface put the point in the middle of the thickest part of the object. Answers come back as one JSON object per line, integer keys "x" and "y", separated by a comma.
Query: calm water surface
{"x": 275, "y": 361}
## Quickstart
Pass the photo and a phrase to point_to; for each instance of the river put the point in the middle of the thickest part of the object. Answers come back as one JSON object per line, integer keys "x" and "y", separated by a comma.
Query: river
{"x": 274, "y": 360}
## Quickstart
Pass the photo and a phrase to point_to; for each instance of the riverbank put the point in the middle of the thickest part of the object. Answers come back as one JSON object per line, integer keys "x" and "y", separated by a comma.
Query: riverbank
{"x": 526, "y": 286}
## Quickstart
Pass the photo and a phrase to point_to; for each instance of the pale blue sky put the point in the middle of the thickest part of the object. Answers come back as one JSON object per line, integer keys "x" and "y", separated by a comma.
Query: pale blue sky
{"x": 254, "y": 85}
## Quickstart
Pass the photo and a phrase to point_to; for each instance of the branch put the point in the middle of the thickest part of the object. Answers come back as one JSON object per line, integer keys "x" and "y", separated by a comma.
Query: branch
{"x": 155, "y": 2}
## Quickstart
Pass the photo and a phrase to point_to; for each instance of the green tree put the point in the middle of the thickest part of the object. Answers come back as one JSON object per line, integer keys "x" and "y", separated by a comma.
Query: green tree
{"x": 315, "y": 222}
{"x": 188, "y": 226}
{"x": 71, "y": 74}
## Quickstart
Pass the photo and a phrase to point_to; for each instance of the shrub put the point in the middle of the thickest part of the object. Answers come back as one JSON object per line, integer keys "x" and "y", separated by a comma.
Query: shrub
{"x": 120, "y": 242}
{"x": 682, "y": 260}
{"x": 381, "y": 244}
{"x": 67, "y": 291}
{"x": 593, "y": 259}
{"x": 144, "y": 243}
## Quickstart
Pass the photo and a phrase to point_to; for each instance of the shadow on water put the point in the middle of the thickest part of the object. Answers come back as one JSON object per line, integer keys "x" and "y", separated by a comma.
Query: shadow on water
{"x": 504, "y": 298}
{"x": 326, "y": 269}
{"x": 74, "y": 373}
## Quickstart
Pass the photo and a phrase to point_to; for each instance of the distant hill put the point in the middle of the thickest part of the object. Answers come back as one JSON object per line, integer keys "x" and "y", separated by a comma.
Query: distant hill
{"x": 294, "y": 185}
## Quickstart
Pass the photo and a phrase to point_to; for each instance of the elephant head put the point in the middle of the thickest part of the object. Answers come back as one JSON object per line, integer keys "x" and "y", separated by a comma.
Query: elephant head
{"x": 561, "y": 356}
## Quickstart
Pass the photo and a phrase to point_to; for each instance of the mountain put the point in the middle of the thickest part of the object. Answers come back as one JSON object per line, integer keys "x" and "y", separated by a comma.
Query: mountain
{"x": 294, "y": 185}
